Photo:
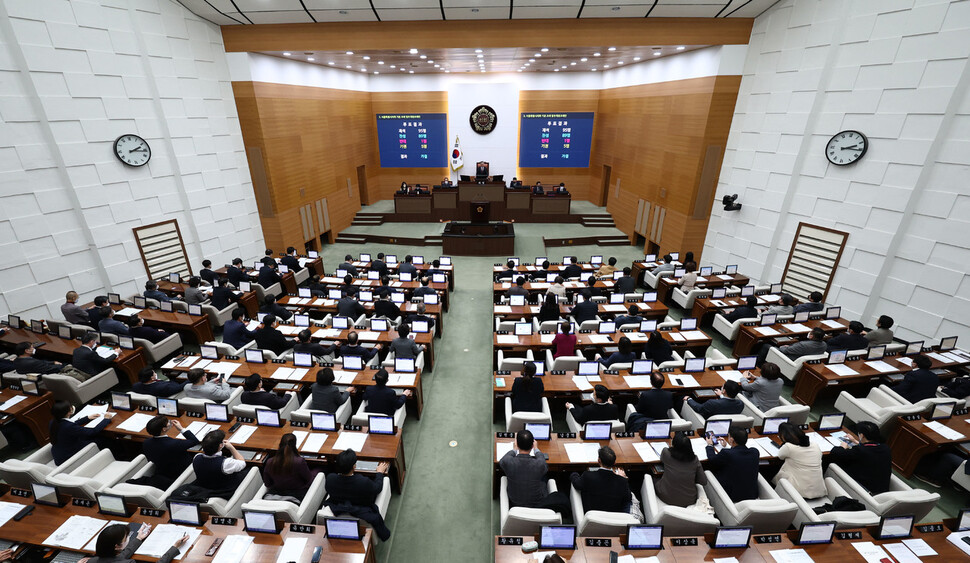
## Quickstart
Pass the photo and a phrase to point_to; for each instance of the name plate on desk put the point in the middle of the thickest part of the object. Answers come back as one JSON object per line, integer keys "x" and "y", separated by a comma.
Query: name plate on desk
{"x": 303, "y": 528}
{"x": 503, "y": 540}
{"x": 231, "y": 357}
{"x": 557, "y": 372}
{"x": 929, "y": 528}
{"x": 624, "y": 435}
{"x": 768, "y": 538}
{"x": 567, "y": 434}
{"x": 353, "y": 427}
{"x": 86, "y": 503}
{"x": 146, "y": 408}
{"x": 195, "y": 414}
{"x": 152, "y": 512}
{"x": 223, "y": 521}
{"x": 503, "y": 372}
{"x": 599, "y": 542}
{"x": 298, "y": 424}
{"x": 246, "y": 419}
{"x": 848, "y": 535}
{"x": 23, "y": 493}
{"x": 961, "y": 412}
{"x": 505, "y": 434}
{"x": 683, "y": 542}
{"x": 912, "y": 417}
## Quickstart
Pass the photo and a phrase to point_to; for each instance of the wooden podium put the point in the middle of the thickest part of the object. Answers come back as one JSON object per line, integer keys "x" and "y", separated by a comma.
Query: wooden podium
{"x": 479, "y": 211}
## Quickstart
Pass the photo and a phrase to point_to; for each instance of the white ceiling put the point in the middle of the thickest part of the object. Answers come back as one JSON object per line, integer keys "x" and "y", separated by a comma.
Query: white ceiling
{"x": 246, "y": 12}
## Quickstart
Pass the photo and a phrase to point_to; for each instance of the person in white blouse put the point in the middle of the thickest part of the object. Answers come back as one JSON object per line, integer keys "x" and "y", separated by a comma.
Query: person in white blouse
{"x": 689, "y": 279}
{"x": 802, "y": 465}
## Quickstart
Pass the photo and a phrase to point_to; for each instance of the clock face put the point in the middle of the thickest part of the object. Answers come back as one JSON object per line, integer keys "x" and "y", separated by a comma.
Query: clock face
{"x": 846, "y": 147}
{"x": 132, "y": 150}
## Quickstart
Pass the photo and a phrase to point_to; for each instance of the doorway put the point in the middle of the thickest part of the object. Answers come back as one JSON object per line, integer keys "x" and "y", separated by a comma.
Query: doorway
{"x": 362, "y": 184}
{"x": 605, "y": 190}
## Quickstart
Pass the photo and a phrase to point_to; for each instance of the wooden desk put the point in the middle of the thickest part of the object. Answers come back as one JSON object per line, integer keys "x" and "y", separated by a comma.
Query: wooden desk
{"x": 128, "y": 362}
{"x": 247, "y": 300}
{"x": 518, "y": 198}
{"x": 499, "y": 289}
{"x": 449, "y": 271}
{"x": 546, "y": 204}
{"x": 406, "y": 287}
{"x": 911, "y": 440}
{"x": 530, "y": 269}
{"x": 639, "y": 339}
{"x": 329, "y": 306}
{"x": 412, "y": 203}
{"x": 652, "y": 310}
{"x": 705, "y": 308}
{"x": 489, "y": 191}
{"x": 665, "y": 286}
{"x": 444, "y": 197}
{"x": 197, "y": 328}
{"x": 386, "y": 337}
{"x": 813, "y": 379}
{"x": 34, "y": 412}
{"x": 749, "y": 337}
{"x": 44, "y": 520}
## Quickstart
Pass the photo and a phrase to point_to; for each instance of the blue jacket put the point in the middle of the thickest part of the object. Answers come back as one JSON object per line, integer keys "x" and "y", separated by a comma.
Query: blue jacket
{"x": 235, "y": 334}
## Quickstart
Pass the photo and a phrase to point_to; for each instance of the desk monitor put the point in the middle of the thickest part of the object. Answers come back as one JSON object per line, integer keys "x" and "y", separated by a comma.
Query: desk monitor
{"x": 719, "y": 293}
{"x": 195, "y": 310}
{"x": 679, "y": 272}
{"x": 585, "y": 276}
{"x": 391, "y": 259}
{"x": 540, "y": 430}
{"x": 255, "y": 356}
{"x": 963, "y": 520}
{"x": 209, "y": 352}
{"x": 341, "y": 273}
{"x": 397, "y": 297}
{"x": 540, "y": 366}
{"x": 943, "y": 411}
{"x": 540, "y": 260}
{"x": 731, "y": 269}
{"x": 334, "y": 294}
{"x": 876, "y": 352}
{"x": 380, "y": 424}
{"x": 688, "y": 323}
{"x": 747, "y": 362}
{"x": 364, "y": 257}
{"x": 523, "y": 329}
{"x": 648, "y": 325}
{"x": 184, "y": 513}
{"x": 732, "y": 537}
{"x": 45, "y": 494}
{"x": 641, "y": 367}
{"x": 649, "y": 296}
{"x": 245, "y": 286}
{"x": 893, "y": 527}
{"x": 323, "y": 421}
{"x": 833, "y": 312}
{"x": 567, "y": 260}
{"x": 617, "y": 275}
{"x": 37, "y": 327}
{"x": 430, "y": 298}
{"x": 268, "y": 417}
{"x": 342, "y": 323}
{"x": 694, "y": 365}
{"x": 302, "y": 359}
{"x": 768, "y": 319}
{"x": 312, "y": 254}
{"x": 420, "y": 260}
{"x": 126, "y": 342}
{"x": 514, "y": 260}
{"x": 815, "y": 532}
{"x": 29, "y": 387}
{"x": 174, "y": 277}
{"x": 657, "y": 430}
{"x": 948, "y": 343}
{"x": 649, "y": 257}
{"x": 115, "y": 299}
{"x": 438, "y": 278}
{"x": 257, "y": 265}
{"x": 420, "y": 327}
{"x": 303, "y": 292}
{"x": 588, "y": 368}
{"x": 64, "y": 332}
{"x": 342, "y": 529}
{"x": 167, "y": 407}
{"x": 284, "y": 269}
{"x": 404, "y": 365}
{"x": 675, "y": 256}
{"x": 301, "y": 320}
{"x": 606, "y": 327}
{"x": 595, "y": 260}
{"x": 405, "y": 276}
{"x": 112, "y": 505}
{"x": 772, "y": 423}
{"x": 801, "y": 317}
{"x": 139, "y": 302}
{"x": 259, "y": 316}
{"x": 717, "y": 427}
{"x": 747, "y": 291}
{"x": 214, "y": 412}
{"x": 831, "y": 422}
{"x": 706, "y": 271}
{"x": 373, "y": 275}
{"x": 444, "y": 260}
{"x": 353, "y": 362}
{"x": 365, "y": 296}
{"x": 551, "y": 277}
{"x": 380, "y": 325}
{"x": 166, "y": 306}
{"x": 914, "y": 348}
{"x": 517, "y": 300}
{"x": 616, "y": 298}
{"x": 557, "y": 537}
{"x": 774, "y": 288}
{"x": 597, "y": 430}
{"x": 837, "y": 356}
{"x": 120, "y": 401}
{"x": 257, "y": 521}
{"x": 644, "y": 537}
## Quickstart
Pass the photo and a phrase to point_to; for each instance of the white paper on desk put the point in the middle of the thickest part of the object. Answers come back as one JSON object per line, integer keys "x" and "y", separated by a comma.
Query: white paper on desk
{"x": 502, "y": 448}
{"x": 344, "y": 377}
{"x": 841, "y": 369}
{"x": 327, "y": 333}
{"x": 368, "y": 335}
{"x": 314, "y": 442}
{"x": 135, "y": 422}
{"x": 718, "y": 303}
{"x": 187, "y": 362}
{"x": 225, "y": 368}
{"x": 8, "y": 510}
{"x": 725, "y": 277}
{"x": 546, "y": 338}
{"x": 694, "y": 335}
{"x": 299, "y": 373}
{"x": 919, "y": 547}
{"x": 401, "y": 379}
{"x": 725, "y": 560}
{"x": 869, "y": 551}
{"x": 540, "y": 285}
{"x": 647, "y": 453}
{"x": 791, "y": 556}
{"x": 12, "y": 401}
{"x": 701, "y": 279}
{"x": 506, "y": 285}
{"x": 881, "y": 366}
{"x": 637, "y": 336}
{"x": 600, "y": 339}
{"x": 658, "y": 447}
{"x": 287, "y": 331}
{"x": 507, "y": 339}
{"x": 699, "y": 445}
{"x": 634, "y": 381}
{"x": 832, "y": 323}
{"x": 580, "y": 452}
{"x": 90, "y": 410}
{"x": 534, "y": 309}
{"x": 819, "y": 441}
{"x": 677, "y": 337}
{"x": 582, "y": 383}
{"x": 242, "y": 434}
{"x": 203, "y": 364}
{"x": 300, "y": 435}
{"x": 685, "y": 380}
{"x": 541, "y": 555}
{"x": 199, "y": 429}
{"x": 766, "y": 446}
{"x": 593, "y": 378}
{"x": 105, "y": 351}
{"x": 615, "y": 308}
{"x": 292, "y": 549}
{"x": 76, "y": 531}
{"x": 350, "y": 441}
{"x": 127, "y": 312}
{"x": 252, "y": 325}
{"x": 796, "y": 327}
{"x": 503, "y": 309}
{"x": 282, "y": 373}
{"x": 730, "y": 375}
{"x": 901, "y": 553}
{"x": 943, "y": 430}
{"x": 766, "y": 331}
{"x": 651, "y": 559}
{"x": 956, "y": 538}
{"x": 954, "y": 358}
{"x": 164, "y": 536}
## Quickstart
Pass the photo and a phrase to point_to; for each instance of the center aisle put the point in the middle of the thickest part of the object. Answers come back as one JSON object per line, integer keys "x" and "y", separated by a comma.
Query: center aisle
{"x": 444, "y": 513}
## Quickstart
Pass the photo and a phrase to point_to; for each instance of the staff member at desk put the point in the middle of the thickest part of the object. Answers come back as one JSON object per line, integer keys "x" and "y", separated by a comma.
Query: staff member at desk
{"x": 170, "y": 455}
{"x": 537, "y": 189}
{"x": 116, "y": 545}
{"x": 72, "y": 312}
{"x": 560, "y": 189}
{"x": 86, "y": 359}
{"x": 404, "y": 188}
{"x": 67, "y": 437}
{"x": 446, "y": 183}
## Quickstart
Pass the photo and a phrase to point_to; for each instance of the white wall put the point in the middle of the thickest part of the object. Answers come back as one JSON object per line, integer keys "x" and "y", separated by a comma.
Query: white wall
{"x": 493, "y": 148}
{"x": 73, "y": 77}
{"x": 898, "y": 73}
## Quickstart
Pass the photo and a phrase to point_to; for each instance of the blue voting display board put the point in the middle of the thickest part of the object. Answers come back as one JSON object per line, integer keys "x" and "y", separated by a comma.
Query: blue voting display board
{"x": 413, "y": 140}
{"x": 555, "y": 140}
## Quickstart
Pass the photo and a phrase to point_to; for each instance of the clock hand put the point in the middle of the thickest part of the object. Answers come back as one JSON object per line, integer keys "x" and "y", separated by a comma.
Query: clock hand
{"x": 850, "y": 148}
{"x": 137, "y": 149}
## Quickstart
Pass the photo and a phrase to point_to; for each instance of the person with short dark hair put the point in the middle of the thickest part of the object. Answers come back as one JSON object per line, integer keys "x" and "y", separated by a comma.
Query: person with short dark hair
{"x": 148, "y": 384}
{"x": 735, "y": 466}
{"x": 348, "y": 306}
{"x": 198, "y": 387}
{"x": 408, "y": 266}
{"x": 525, "y": 468}
{"x": 725, "y": 403}
{"x": 920, "y": 383}
{"x": 747, "y": 311}
{"x": 667, "y": 266}
{"x": 236, "y": 272}
{"x": 110, "y": 324}
{"x": 379, "y": 265}
{"x": 785, "y": 306}
{"x": 606, "y": 270}
{"x": 815, "y": 344}
{"x": 382, "y": 399}
{"x": 564, "y": 343}
{"x": 271, "y": 307}
{"x": 268, "y": 273}
{"x": 764, "y": 391}
{"x": 286, "y": 473}
{"x": 385, "y": 289}
{"x": 654, "y": 403}
{"x": 386, "y": 308}
{"x": 327, "y": 396}
{"x": 355, "y": 494}
{"x": 268, "y": 337}
{"x": 508, "y": 272}
{"x": 152, "y": 292}
{"x": 573, "y": 270}
{"x": 69, "y": 437}
{"x": 25, "y": 361}
{"x": 633, "y": 316}
{"x": 585, "y": 311}
{"x": 813, "y": 305}
{"x": 853, "y": 339}
{"x": 518, "y": 288}
{"x": 86, "y": 359}
{"x": 207, "y": 274}
{"x": 348, "y": 266}
{"x": 254, "y": 394}
{"x": 171, "y": 456}
{"x": 527, "y": 390}
{"x": 304, "y": 345}
{"x": 623, "y": 355}
{"x": 882, "y": 334}
{"x": 592, "y": 289}
{"x": 802, "y": 465}
{"x": 235, "y": 333}
{"x": 222, "y": 294}
{"x": 194, "y": 294}
{"x": 353, "y": 348}
{"x": 602, "y": 407}
{"x": 404, "y": 347}
{"x": 556, "y": 288}
{"x": 218, "y": 473}
{"x": 866, "y": 459}
{"x": 605, "y": 487}
{"x": 94, "y": 313}
{"x": 682, "y": 471}
{"x": 137, "y": 329}
{"x": 425, "y": 288}
{"x": 117, "y": 544}
{"x": 291, "y": 261}
{"x": 658, "y": 349}
{"x": 626, "y": 283}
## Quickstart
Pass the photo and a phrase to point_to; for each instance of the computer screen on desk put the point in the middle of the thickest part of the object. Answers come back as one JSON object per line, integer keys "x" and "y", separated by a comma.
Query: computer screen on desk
{"x": 214, "y": 412}
{"x": 648, "y": 326}
{"x": 772, "y": 423}
{"x": 717, "y": 428}
{"x": 833, "y": 312}
{"x": 641, "y": 367}
{"x": 258, "y": 521}
{"x": 353, "y": 362}
{"x": 649, "y": 296}
{"x": 540, "y": 430}
{"x": 404, "y": 365}
{"x": 516, "y": 300}
{"x": 768, "y": 319}
{"x": 342, "y": 529}
{"x": 302, "y": 359}
{"x": 588, "y": 368}
{"x": 268, "y": 417}
{"x": 731, "y": 269}
{"x": 732, "y": 537}
{"x": 557, "y": 537}
{"x": 747, "y": 291}
{"x": 948, "y": 343}
{"x": 184, "y": 513}
{"x": 523, "y": 329}
{"x": 747, "y": 362}
{"x": 597, "y": 430}
{"x": 892, "y": 527}
{"x": 816, "y": 533}
{"x": 837, "y": 356}
{"x": 706, "y": 271}
{"x": 644, "y": 537}
{"x": 323, "y": 421}
{"x": 719, "y": 293}
{"x": 694, "y": 365}
{"x": 606, "y": 327}
{"x": 657, "y": 430}
{"x": 801, "y": 317}
{"x": 914, "y": 348}
{"x": 688, "y": 323}
{"x": 831, "y": 422}
{"x": 380, "y": 424}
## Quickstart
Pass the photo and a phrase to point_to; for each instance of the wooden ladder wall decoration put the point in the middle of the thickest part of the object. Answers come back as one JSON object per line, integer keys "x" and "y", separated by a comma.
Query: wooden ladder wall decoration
{"x": 162, "y": 249}
{"x": 814, "y": 257}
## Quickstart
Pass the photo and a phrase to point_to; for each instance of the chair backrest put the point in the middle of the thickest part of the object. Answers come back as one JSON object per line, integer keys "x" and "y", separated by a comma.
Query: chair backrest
{"x": 567, "y": 363}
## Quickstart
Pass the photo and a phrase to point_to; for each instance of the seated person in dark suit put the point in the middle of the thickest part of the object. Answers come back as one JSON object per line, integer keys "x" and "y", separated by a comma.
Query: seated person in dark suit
{"x": 236, "y": 273}
{"x": 94, "y": 313}
{"x": 235, "y": 333}
{"x": 525, "y": 468}
{"x": 348, "y": 287}
{"x": 623, "y": 355}
{"x": 654, "y": 403}
{"x": 435, "y": 269}
{"x": 86, "y": 359}
{"x": 306, "y": 346}
{"x": 632, "y": 318}
{"x": 207, "y": 274}
{"x": 170, "y": 455}
{"x": 268, "y": 337}
{"x": 254, "y": 394}
{"x": 385, "y": 287}
{"x": 593, "y": 290}
{"x": 408, "y": 267}
{"x": 379, "y": 265}
{"x": 606, "y": 487}
{"x": 354, "y": 494}
{"x": 815, "y": 344}
{"x": 268, "y": 275}
{"x": 353, "y": 348}
{"x": 727, "y": 401}
{"x": 348, "y": 265}
{"x": 509, "y": 271}
{"x": 137, "y": 329}
{"x": 348, "y": 306}
{"x": 291, "y": 260}
{"x": 404, "y": 347}
{"x": 537, "y": 189}
{"x": 222, "y": 296}
{"x": 560, "y": 189}
{"x": 384, "y": 307}
{"x": 425, "y": 288}
{"x": 216, "y": 472}
{"x": 573, "y": 270}
{"x": 585, "y": 311}
{"x": 747, "y": 311}
{"x": 602, "y": 407}
{"x": 851, "y": 340}
{"x": 109, "y": 324}
{"x": 919, "y": 384}
{"x": 27, "y": 363}
{"x": 149, "y": 384}
{"x": 381, "y": 398}
{"x": 540, "y": 275}
{"x": 446, "y": 183}
{"x": 658, "y": 349}
{"x": 626, "y": 284}
{"x": 69, "y": 438}
{"x": 527, "y": 390}
{"x": 327, "y": 396}
{"x": 550, "y": 308}
{"x": 814, "y": 304}
{"x": 268, "y": 259}
{"x": 867, "y": 460}
{"x": 735, "y": 466}
{"x": 518, "y": 288}
{"x": 152, "y": 292}
{"x": 419, "y": 315}
{"x": 270, "y": 306}
{"x": 316, "y": 287}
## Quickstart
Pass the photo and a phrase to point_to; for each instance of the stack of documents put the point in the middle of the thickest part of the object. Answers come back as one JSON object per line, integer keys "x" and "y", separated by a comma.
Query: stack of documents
{"x": 135, "y": 422}
{"x": 582, "y": 383}
{"x": 635, "y": 381}
{"x": 199, "y": 428}
{"x": 242, "y": 434}
{"x": 503, "y": 309}
{"x": 615, "y": 308}
{"x": 128, "y": 312}
{"x": 646, "y": 451}
{"x": 164, "y": 536}
{"x": 401, "y": 379}
{"x": 76, "y": 531}
{"x": 819, "y": 441}
{"x": 766, "y": 331}
{"x": 841, "y": 369}
{"x": 90, "y": 410}
{"x": 12, "y": 401}
{"x": 294, "y": 374}
{"x": 583, "y": 452}
{"x": 350, "y": 441}
{"x": 677, "y": 337}
{"x": 8, "y": 510}
{"x": 731, "y": 375}
{"x": 694, "y": 335}
{"x": 832, "y": 323}
{"x": 314, "y": 442}
{"x": 224, "y": 368}
{"x": 796, "y": 328}
{"x": 725, "y": 277}
{"x": 344, "y": 377}
{"x": 881, "y": 366}
{"x": 292, "y": 550}
{"x": 943, "y": 430}
{"x": 600, "y": 339}
{"x": 507, "y": 339}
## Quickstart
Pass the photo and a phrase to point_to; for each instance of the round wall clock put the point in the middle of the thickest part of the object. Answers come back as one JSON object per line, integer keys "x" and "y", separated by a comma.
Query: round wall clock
{"x": 846, "y": 147}
{"x": 132, "y": 150}
{"x": 483, "y": 120}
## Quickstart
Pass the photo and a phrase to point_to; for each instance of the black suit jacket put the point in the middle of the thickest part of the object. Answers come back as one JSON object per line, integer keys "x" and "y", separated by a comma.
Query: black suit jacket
{"x": 386, "y": 309}
{"x": 236, "y": 275}
{"x": 527, "y": 395}
{"x": 869, "y": 464}
{"x": 721, "y": 405}
{"x": 268, "y": 338}
{"x": 264, "y": 399}
{"x": 736, "y": 470}
{"x": 585, "y": 311}
{"x": 654, "y": 403}
{"x": 356, "y": 489}
{"x": 208, "y": 275}
{"x": 170, "y": 455}
{"x": 292, "y": 263}
{"x": 602, "y": 489}
{"x": 222, "y": 297}
{"x": 383, "y": 400}
{"x": 268, "y": 276}
{"x": 742, "y": 312}
{"x": 88, "y": 361}
{"x": 847, "y": 341}
{"x": 349, "y": 307}
{"x": 572, "y": 271}
{"x": 659, "y": 351}
{"x": 594, "y": 412}
{"x": 416, "y": 317}
{"x": 379, "y": 266}
{"x": 917, "y": 385}
{"x": 277, "y": 310}
{"x": 314, "y": 348}
{"x": 626, "y": 284}
{"x": 148, "y": 333}
{"x": 33, "y": 365}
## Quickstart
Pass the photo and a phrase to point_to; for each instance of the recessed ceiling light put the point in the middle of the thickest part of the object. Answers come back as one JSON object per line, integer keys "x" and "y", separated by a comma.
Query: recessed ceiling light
{"x": 447, "y": 72}
{"x": 366, "y": 57}
{"x": 413, "y": 51}
{"x": 393, "y": 66}
{"x": 310, "y": 59}
{"x": 606, "y": 66}
{"x": 348, "y": 66}
{"x": 545, "y": 49}
{"x": 375, "y": 72}
{"x": 403, "y": 69}
{"x": 572, "y": 63}
{"x": 636, "y": 58}
{"x": 520, "y": 70}
{"x": 483, "y": 70}
{"x": 537, "y": 55}
{"x": 680, "y": 48}
{"x": 583, "y": 60}
{"x": 350, "y": 52}
{"x": 330, "y": 63}
{"x": 611, "y": 49}
{"x": 526, "y": 64}
{"x": 478, "y": 50}
{"x": 430, "y": 62}
{"x": 563, "y": 66}
{"x": 411, "y": 71}
{"x": 423, "y": 56}
{"x": 657, "y": 53}
{"x": 380, "y": 62}
{"x": 480, "y": 56}
{"x": 532, "y": 60}
{"x": 286, "y": 54}
{"x": 593, "y": 69}
{"x": 362, "y": 69}
{"x": 437, "y": 66}
{"x": 555, "y": 70}
{"x": 619, "y": 62}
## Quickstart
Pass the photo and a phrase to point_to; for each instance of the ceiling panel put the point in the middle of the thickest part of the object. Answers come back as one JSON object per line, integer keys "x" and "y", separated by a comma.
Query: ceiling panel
{"x": 406, "y": 5}
{"x": 337, "y": 5}
{"x": 752, "y": 9}
{"x": 530, "y": 12}
{"x": 465, "y": 13}
{"x": 349, "y": 15}
{"x": 289, "y": 16}
{"x": 611, "y": 3}
{"x": 267, "y": 5}
{"x": 686, "y": 11}
{"x": 634, "y": 11}
{"x": 409, "y": 14}
{"x": 223, "y": 6}
{"x": 551, "y": 3}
